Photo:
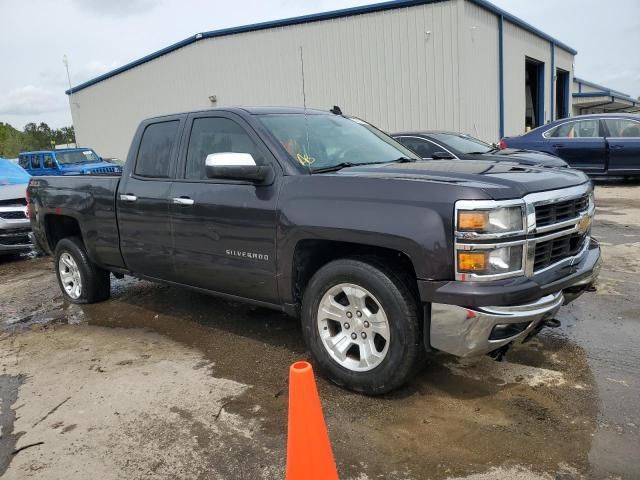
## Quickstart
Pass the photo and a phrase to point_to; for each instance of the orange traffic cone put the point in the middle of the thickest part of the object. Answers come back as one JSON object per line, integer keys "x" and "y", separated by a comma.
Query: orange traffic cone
{"x": 309, "y": 455}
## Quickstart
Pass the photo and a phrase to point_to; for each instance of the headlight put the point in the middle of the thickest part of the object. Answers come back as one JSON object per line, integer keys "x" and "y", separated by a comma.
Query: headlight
{"x": 490, "y": 261}
{"x": 499, "y": 220}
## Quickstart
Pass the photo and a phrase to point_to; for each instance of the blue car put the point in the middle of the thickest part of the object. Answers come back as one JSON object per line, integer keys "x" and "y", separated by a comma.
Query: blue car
{"x": 598, "y": 144}
{"x": 68, "y": 161}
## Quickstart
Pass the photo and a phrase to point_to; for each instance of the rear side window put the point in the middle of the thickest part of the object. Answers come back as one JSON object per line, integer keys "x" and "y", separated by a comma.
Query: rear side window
{"x": 35, "y": 161}
{"x": 215, "y": 135}
{"x": 579, "y": 129}
{"x": 620, "y": 127}
{"x": 48, "y": 160}
{"x": 154, "y": 156}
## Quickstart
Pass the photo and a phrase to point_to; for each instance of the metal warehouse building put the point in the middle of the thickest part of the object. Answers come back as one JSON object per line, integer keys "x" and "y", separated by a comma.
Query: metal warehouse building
{"x": 461, "y": 65}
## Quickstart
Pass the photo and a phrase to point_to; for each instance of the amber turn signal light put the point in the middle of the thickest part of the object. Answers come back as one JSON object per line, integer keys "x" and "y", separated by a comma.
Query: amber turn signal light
{"x": 472, "y": 261}
{"x": 473, "y": 220}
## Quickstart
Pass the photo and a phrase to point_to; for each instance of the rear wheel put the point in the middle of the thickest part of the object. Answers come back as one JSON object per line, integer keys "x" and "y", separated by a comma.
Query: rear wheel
{"x": 361, "y": 324}
{"x": 80, "y": 280}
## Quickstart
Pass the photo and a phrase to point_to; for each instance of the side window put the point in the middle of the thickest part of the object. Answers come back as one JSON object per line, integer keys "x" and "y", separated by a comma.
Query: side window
{"x": 620, "y": 127}
{"x": 423, "y": 148}
{"x": 24, "y": 161}
{"x": 154, "y": 156}
{"x": 579, "y": 129}
{"x": 215, "y": 135}
{"x": 48, "y": 160}
{"x": 35, "y": 161}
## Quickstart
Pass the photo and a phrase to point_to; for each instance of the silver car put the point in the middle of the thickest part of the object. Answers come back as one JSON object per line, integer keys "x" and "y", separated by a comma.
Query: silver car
{"x": 15, "y": 229}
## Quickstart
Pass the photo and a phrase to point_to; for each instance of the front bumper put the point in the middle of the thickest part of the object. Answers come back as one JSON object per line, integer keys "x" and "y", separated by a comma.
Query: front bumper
{"x": 466, "y": 326}
{"x": 467, "y": 332}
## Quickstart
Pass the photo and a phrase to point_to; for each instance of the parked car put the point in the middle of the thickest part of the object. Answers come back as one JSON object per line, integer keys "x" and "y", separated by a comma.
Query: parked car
{"x": 68, "y": 161}
{"x": 383, "y": 255}
{"x": 598, "y": 144}
{"x": 14, "y": 224}
{"x": 446, "y": 145}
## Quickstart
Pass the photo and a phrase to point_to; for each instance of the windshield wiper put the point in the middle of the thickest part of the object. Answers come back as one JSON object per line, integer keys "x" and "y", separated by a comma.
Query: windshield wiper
{"x": 333, "y": 168}
{"x": 341, "y": 165}
{"x": 402, "y": 160}
{"x": 479, "y": 153}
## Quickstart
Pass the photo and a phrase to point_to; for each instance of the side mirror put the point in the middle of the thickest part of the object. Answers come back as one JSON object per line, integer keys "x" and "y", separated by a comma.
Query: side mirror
{"x": 441, "y": 156}
{"x": 236, "y": 166}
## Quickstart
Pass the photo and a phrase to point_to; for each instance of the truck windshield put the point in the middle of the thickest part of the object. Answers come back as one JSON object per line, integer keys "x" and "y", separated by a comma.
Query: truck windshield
{"x": 318, "y": 142}
{"x": 463, "y": 143}
{"x": 77, "y": 156}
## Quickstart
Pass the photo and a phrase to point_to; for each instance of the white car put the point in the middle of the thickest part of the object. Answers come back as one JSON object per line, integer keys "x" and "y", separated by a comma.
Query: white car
{"x": 15, "y": 230}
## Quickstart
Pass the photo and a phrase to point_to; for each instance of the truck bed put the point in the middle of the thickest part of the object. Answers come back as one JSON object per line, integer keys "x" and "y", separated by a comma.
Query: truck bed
{"x": 90, "y": 200}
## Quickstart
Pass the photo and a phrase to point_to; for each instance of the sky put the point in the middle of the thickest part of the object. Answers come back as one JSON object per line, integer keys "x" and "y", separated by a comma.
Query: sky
{"x": 100, "y": 35}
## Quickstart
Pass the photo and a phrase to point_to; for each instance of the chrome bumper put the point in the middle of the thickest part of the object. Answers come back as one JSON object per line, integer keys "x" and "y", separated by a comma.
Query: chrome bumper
{"x": 467, "y": 332}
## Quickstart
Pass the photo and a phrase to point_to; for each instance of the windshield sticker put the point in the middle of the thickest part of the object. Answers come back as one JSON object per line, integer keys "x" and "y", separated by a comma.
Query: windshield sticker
{"x": 305, "y": 159}
{"x": 87, "y": 152}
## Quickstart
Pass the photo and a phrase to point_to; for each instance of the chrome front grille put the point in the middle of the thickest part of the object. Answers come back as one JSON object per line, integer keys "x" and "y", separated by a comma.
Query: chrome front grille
{"x": 15, "y": 215}
{"x": 549, "y": 252}
{"x": 551, "y": 213}
{"x": 561, "y": 229}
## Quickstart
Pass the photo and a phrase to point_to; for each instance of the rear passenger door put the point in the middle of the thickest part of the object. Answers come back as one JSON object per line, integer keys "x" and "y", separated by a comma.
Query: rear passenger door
{"x": 48, "y": 165}
{"x": 143, "y": 200}
{"x": 623, "y": 139}
{"x": 36, "y": 164}
{"x": 224, "y": 230}
{"x": 580, "y": 143}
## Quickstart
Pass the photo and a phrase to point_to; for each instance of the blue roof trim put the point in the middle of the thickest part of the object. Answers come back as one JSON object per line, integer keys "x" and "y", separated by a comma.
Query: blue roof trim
{"x": 601, "y": 87}
{"x": 315, "y": 17}
{"x": 522, "y": 24}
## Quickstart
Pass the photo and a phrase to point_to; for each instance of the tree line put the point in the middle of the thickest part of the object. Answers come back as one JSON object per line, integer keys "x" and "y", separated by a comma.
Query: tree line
{"x": 34, "y": 137}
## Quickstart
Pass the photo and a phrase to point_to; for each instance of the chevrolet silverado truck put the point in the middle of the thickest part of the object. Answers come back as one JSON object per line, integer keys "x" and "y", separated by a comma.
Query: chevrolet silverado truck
{"x": 384, "y": 256}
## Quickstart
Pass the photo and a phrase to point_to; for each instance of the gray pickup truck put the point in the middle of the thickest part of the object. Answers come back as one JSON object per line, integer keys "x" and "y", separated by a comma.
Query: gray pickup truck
{"x": 384, "y": 256}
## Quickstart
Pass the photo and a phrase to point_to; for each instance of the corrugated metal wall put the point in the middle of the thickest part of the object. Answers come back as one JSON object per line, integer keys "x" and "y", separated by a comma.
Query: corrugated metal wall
{"x": 432, "y": 66}
{"x": 518, "y": 45}
{"x": 479, "y": 87}
{"x": 398, "y": 69}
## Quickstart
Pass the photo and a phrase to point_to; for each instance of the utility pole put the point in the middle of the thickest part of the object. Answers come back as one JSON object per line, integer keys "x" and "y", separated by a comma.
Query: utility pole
{"x": 65, "y": 60}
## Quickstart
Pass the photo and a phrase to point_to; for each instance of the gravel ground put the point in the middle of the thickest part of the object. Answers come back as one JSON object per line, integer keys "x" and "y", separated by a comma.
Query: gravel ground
{"x": 161, "y": 382}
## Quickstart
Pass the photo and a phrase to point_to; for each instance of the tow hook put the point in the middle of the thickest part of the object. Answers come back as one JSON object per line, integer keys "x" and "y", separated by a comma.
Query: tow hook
{"x": 499, "y": 353}
{"x": 552, "y": 323}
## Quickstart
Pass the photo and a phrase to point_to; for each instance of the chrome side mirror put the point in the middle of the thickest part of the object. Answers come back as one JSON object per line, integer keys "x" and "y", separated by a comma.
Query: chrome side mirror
{"x": 236, "y": 166}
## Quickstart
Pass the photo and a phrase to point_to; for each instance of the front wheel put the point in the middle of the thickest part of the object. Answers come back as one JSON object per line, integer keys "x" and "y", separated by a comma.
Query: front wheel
{"x": 362, "y": 326}
{"x": 80, "y": 280}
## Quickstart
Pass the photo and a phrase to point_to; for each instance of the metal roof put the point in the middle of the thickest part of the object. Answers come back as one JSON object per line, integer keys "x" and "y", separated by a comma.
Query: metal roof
{"x": 600, "y": 87}
{"x": 316, "y": 17}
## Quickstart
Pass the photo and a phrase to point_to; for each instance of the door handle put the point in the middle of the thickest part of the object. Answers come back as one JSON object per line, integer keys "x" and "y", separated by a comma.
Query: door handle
{"x": 558, "y": 145}
{"x": 617, "y": 147}
{"x": 125, "y": 197}
{"x": 183, "y": 201}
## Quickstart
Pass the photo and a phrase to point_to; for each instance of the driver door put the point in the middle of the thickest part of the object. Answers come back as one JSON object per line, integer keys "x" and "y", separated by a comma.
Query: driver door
{"x": 224, "y": 231}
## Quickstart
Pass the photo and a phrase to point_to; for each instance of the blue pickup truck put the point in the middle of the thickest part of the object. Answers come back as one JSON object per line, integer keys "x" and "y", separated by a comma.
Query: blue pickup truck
{"x": 68, "y": 161}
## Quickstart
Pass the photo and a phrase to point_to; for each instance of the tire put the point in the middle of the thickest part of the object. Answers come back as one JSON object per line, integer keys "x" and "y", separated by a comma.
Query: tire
{"x": 79, "y": 279}
{"x": 375, "y": 287}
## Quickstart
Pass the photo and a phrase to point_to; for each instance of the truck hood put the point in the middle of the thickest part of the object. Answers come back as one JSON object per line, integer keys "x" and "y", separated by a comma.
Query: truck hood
{"x": 524, "y": 157}
{"x": 498, "y": 179}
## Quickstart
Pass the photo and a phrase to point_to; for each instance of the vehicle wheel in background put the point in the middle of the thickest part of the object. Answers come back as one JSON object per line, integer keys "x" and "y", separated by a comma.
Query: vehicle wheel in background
{"x": 80, "y": 280}
{"x": 362, "y": 326}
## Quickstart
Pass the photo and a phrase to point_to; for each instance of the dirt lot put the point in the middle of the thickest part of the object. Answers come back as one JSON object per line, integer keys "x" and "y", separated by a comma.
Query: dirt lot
{"x": 161, "y": 382}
